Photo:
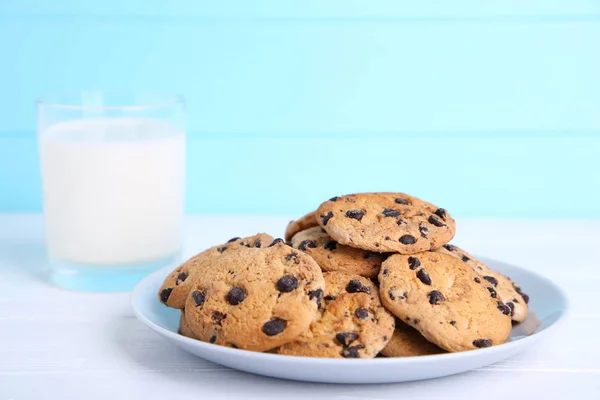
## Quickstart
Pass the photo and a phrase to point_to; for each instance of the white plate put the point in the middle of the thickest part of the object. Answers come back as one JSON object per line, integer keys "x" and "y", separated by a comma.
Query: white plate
{"x": 548, "y": 307}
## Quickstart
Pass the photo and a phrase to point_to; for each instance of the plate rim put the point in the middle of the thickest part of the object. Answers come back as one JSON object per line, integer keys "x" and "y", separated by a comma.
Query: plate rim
{"x": 217, "y": 349}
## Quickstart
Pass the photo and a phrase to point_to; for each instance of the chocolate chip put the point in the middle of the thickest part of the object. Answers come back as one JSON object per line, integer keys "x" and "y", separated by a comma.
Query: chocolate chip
{"x": 423, "y": 277}
{"x": 523, "y": 295}
{"x": 503, "y": 307}
{"x": 213, "y": 339}
{"x": 413, "y": 263}
{"x": 355, "y": 214}
{"x": 164, "y": 295}
{"x": 402, "y": 201}
{"x": 287, "y": 283}
{"x": 391, "y": 295}
{"x": 235, "y": 296}
{"x": 450, "y": 247}
{"x": 292, "y": 256}
{"x": 222, "y": 249}
{"x": 352, "y": 351}
{"x": 440, "y": 212}
{"x": 329, "y": 297}
{"x": 198, "y": 297}
{"x": 433, "y": 220}
{"x": 390, "y": 212}
{"x": 465, "y": 258}
{"x": 257, "y": 243}
{"x": 407, "y": 239}
{"x": 330, "y": 245}
{"x": 274, "y": 242}
{"x": 355, "y": 286}
{"x": 492, "y": 292}
{"x": 491, "y": 280}
{"x": 336, "y": 198}
{"x": 401, "y": 222}
{"x": 345, "y": 338}
{"x": 218, "y": 317}
{"x": 435, "y": 297}
{"x": 274, "y": 327}
{"x": 181, "y": 278}
{"x": 385, "y": 272}
{"x": 306, "y": 243}
{"x": 325, "y": 218}
{"x": 423, "y": 230}
{"x": 361, "y": 313}
{"x": 317, "y": 295}
{"x": 234, "y": 346}
{"x": 512, "y": 308}
{"x": 233, "y": 239}
{"x": 453, "y": 323}
{"x": 388, "y": 238}
{"x": 477, "y": 280}
{"x": 480, "y": 343}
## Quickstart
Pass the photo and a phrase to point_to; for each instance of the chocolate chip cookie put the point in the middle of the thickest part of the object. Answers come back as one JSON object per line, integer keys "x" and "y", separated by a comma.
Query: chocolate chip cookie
{"x": 445, "y": 300}
{"x": 507, "y": 291}
{"x": 184, "y": 328}
{"x": 177, "y": 285}
{"x": 307, "y": 221}
{"x": 352, "y": 322}
{"x": 386, "y": 222}
{"x": 408, "y": 342}
{"x": 255, "y": 298}
{"x": 332, "y": 256}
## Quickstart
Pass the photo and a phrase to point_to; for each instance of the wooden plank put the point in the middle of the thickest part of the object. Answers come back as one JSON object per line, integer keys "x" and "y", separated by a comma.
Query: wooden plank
{"x": 75, "y": 345}
{"x": 304, "y": 9}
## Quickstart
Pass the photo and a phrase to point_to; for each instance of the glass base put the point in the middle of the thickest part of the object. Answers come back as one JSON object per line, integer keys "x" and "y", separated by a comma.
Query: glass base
{"x": 113, "y": 278}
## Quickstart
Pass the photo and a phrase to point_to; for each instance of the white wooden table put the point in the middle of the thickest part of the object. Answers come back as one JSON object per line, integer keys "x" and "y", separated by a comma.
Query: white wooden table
{"x": 56, "y": 344}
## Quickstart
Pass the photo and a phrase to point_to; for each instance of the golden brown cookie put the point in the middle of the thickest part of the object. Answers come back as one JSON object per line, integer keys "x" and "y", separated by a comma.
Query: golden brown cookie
{"x": 508, "y": 291}
{"x": 176, "y": 287}
{"x": 445, "y": 300}
{"x": 352, "y": 322}
{"x": 256, "y": 298}
{"x": 386, "y": 222}
{"x": 332, "y": 256}
{"x": 184, "y": 328}
{"x": 307, "y": 221}
{"x": 408, "y": 342}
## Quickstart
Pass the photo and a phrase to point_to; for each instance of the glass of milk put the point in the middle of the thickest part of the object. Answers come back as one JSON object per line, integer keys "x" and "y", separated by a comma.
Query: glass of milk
{"x": 113, "y": 174}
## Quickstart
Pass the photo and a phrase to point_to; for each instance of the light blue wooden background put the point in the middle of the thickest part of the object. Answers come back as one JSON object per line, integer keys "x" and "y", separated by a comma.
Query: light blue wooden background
{"x": 487, "y": 108}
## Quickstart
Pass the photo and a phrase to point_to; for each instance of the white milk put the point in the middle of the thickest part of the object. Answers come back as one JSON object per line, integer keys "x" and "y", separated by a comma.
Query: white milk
{"x": 113, "y": 190}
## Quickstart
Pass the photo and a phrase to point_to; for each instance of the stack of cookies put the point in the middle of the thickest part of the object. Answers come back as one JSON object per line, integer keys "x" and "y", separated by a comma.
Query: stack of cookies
{"x": 364, "y": 275}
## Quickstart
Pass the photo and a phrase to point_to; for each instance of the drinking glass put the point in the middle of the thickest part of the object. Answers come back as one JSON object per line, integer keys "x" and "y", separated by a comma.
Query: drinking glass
{"x": 113, "y": 177}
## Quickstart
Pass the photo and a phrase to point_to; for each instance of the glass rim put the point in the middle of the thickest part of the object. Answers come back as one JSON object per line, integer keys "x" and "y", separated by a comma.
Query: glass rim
{"x": 57, "y": 100}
